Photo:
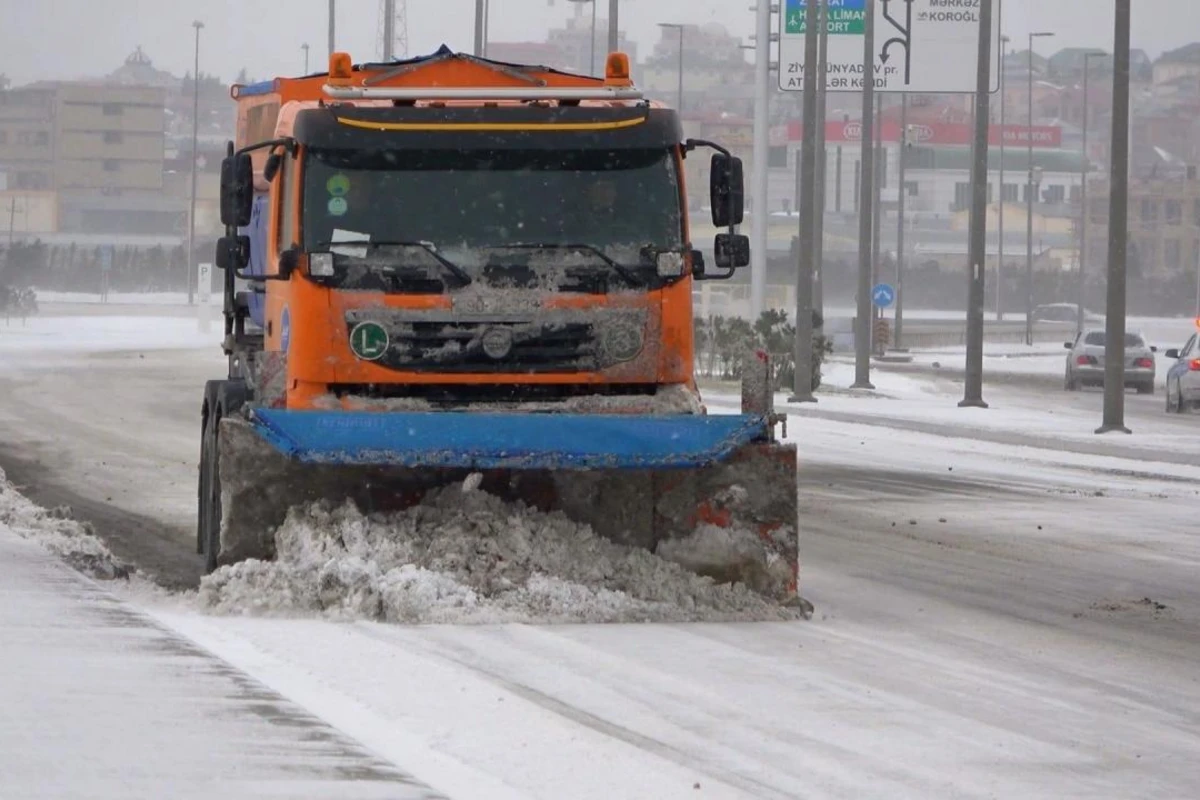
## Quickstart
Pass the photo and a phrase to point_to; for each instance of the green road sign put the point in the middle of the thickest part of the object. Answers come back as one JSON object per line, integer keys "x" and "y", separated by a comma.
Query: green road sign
{"x": 369, "y": 341}
{"x": 846, "y": 17}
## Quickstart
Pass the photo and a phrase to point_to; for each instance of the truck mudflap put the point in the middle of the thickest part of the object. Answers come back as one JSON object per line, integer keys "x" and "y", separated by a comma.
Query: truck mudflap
{"x": 713, "y": 493}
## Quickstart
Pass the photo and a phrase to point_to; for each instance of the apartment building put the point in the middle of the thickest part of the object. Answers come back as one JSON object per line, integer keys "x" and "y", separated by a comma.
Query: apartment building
{"x": 27, "y": 139}
{"x": 82, "y": 136}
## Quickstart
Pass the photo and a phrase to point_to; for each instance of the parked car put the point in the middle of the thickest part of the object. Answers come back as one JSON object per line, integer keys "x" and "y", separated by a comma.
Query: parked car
{"x": 1085, "y": 362}
{"x": 1065, "y": 312}
{"x": 1183, "y": 378}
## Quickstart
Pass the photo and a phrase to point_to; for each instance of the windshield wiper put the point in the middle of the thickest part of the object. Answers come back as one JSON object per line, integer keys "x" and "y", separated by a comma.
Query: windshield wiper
{"x": 621, "y": 269}
{"x": 429, "y": 247}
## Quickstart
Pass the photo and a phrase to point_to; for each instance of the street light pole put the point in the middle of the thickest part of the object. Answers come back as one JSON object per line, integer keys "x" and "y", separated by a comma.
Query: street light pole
{"x": 191, "y": 253}
{"x": 614, "y": 31}
{"x": 1029, "y": 198}
{"x": 479, "y": 15}
{"x": 1004, "y": 40}
{"x": 1083, "y": 197}
{"x": 973, "y": 391}
{"x": 304, "y": 47}
{"x": 1118, "y": 230}
{"x": 592, "y": 56}
{"x": 679, "y": 100}
{"x": 680, "y": 93}
{"x": 822, "y": 190}
{"x": 901, "y": 207}
{"x": 332, "y": 26}
{"x": 862, "y": 336}
{"x": 761, "y": 172}
{"x": 389, "y": 30}
{"x": 802, "y": 388}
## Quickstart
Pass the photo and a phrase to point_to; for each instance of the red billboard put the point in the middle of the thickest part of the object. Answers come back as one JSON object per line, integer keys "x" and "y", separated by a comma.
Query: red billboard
{"x": 939, "y": 133}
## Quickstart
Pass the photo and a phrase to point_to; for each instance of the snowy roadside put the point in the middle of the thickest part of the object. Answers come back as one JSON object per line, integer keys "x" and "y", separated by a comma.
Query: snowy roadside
{"x": 929, "y": 405}
{"x": 54, "y": 529}
{"x": 61, "y": 335}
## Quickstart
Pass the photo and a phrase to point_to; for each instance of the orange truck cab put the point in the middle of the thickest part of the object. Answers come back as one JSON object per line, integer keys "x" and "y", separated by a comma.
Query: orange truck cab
{"x": 455, "y": 230}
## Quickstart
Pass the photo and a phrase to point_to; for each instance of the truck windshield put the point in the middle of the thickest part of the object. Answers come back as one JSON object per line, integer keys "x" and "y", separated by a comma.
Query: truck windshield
{"x": 538, "y": 212}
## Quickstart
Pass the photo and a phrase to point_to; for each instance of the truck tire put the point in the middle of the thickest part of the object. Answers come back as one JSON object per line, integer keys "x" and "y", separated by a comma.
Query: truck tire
{"x": 229, "y": 398}
{"x": 206, "y": 409}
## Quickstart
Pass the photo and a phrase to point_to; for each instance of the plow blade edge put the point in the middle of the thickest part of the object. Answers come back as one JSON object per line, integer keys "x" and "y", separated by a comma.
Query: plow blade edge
{"x": 712, "y": 493}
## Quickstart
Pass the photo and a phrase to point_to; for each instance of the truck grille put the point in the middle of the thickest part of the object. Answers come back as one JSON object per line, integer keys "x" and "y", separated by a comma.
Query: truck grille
{"x": 454, "y": 342}
{"x": 492, "y": 347}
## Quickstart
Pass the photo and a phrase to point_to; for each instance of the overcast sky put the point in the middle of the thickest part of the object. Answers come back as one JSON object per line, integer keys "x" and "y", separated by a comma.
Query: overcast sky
{"x": 65, "y": 39}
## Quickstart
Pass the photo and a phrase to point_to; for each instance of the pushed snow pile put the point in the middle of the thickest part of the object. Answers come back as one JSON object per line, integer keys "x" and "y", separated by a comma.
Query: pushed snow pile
{"x": 67, "y": 538}
{"x": 465, "y": 556}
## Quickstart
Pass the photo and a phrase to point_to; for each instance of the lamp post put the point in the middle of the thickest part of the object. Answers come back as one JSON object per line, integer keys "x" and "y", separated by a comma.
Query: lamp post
{"x": 679, "y": 102}
{"x": 191, "y": 253}
{"x": 1118, "y": 229}
{"x": 332, "y": 26}
{"x": 862, "y": 334}
{"x": 762, "y": 143}
{"x": 480, "y": 13}
{"x": 973, "y": 391}
{"x": 1004, "y": 40}
{"x": 592, "y": 51}
{"x": 614, "y": 35}
{"x": 1029, "y": 197}
{"x": 304, "y": 47}
{"x": 1083, "y": 201}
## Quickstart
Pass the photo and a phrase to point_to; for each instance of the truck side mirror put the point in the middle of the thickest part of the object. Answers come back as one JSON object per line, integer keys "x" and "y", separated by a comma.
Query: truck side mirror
{"x": 731, "y": 250}
{"x": 233, "y": 252}
{"x": 237, "y": 190}
{"x": 728, "y": 190}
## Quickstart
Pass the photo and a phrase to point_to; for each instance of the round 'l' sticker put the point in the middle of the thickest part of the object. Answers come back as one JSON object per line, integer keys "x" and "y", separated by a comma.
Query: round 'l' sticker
{"x": 369, "y": 341}
{"x": 338, "y": 206}
{"x": 338, "y": 185}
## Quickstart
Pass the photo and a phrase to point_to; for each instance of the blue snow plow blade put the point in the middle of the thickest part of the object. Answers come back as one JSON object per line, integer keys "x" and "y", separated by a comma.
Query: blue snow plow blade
{"x": 506, "y": 441}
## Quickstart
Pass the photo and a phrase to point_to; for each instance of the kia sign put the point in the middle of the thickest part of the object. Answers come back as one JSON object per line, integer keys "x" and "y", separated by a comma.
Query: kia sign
{"x": 921, "y": 46}
{"x": 939, "y": 133}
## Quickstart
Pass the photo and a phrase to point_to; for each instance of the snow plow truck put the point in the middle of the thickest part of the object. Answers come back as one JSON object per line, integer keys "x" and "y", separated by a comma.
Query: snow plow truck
{"x": 449, "y": 269}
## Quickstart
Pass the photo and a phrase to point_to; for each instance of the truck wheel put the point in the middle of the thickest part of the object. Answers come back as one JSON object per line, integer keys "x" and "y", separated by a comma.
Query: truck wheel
{"x": 206, "y": 409}
{"x": 229, "y": 398}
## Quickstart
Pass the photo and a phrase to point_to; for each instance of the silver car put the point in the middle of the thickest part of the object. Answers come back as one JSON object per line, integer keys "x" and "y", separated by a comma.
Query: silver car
{"x": 1183, "y": 379}
{"x": 1085, "y": 362}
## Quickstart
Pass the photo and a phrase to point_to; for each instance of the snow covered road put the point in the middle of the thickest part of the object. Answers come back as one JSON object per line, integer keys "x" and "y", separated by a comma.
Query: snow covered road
{"x": 993, "y": 619}
{"x": 101, "y": 702}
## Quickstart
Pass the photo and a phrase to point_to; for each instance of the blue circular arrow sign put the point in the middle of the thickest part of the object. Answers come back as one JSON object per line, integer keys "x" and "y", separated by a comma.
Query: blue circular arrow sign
{"x": 883, "y": 295}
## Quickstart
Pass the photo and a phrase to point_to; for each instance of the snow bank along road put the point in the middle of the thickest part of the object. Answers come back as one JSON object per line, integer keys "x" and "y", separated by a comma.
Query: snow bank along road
{"x": 100, "y": 701}
{"x": 992, "y": 620}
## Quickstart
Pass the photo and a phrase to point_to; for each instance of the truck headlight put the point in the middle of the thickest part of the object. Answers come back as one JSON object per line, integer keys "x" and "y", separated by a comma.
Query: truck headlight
{"x": 670, "y": 265}
{"x": 320, "y": 265}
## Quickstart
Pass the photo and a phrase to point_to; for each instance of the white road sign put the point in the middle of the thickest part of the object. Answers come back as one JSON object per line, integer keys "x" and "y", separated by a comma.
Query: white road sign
{"x": 921, "y": 46}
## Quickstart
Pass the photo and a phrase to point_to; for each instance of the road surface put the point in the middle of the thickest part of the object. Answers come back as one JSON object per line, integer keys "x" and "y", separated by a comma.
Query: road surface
{"x": 993, "y": 620}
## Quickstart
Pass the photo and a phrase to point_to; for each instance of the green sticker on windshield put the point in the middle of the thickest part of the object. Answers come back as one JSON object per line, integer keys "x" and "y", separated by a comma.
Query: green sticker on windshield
{"x": 338, "y": 206}
{"x": 338, "y": 185}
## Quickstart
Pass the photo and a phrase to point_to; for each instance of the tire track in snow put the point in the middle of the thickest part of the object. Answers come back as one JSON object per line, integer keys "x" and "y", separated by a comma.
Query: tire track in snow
{"x": 465, "y": 658}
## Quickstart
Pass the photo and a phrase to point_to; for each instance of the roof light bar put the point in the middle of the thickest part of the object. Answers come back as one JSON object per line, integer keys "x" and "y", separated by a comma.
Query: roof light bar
{"x": 484, "y": 93}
